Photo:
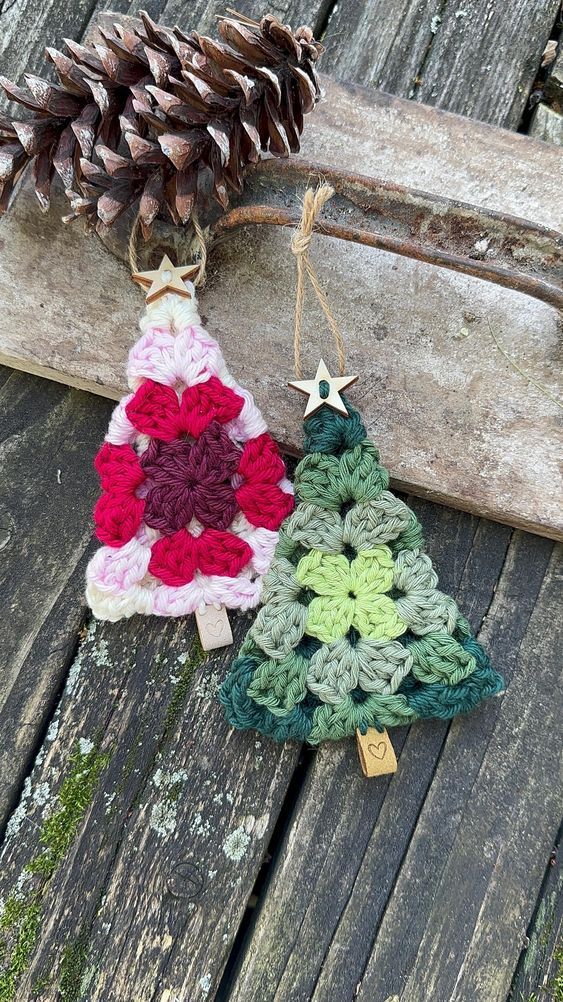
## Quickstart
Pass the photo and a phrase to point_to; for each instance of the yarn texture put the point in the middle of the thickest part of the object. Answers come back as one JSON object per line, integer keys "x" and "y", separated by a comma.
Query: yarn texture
{"x": 354, "y": 631}
{"x": 193, "y": 487}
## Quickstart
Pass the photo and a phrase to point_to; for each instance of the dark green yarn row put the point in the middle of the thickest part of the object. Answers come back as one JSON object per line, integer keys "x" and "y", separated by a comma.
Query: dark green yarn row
{"x": 424, "y": 701}
{"x": 265, "y": 689}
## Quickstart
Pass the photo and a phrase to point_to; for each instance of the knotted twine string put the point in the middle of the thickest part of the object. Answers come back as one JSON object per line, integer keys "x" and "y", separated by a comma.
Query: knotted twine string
{"x": 312, "y": 205}
{"x": 200, "y": 242}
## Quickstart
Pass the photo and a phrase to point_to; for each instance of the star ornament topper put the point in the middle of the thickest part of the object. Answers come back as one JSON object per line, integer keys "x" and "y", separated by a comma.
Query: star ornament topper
{"x": 165, "y": 279}
{"x": 312, "y": 388}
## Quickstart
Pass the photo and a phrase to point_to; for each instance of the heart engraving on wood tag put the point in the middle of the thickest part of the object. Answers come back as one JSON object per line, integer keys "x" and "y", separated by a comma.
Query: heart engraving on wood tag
{"x": 214, "y": 628}
{"x": 377, "y": 756}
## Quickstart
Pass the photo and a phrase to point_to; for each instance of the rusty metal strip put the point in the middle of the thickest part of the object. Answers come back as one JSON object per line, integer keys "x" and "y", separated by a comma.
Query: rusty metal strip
{"x": 490, "y": 245}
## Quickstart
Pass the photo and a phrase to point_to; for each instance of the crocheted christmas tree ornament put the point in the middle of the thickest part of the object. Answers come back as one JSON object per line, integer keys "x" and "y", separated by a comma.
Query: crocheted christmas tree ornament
{"x": 353, "y": 633}
{"x": 194, "y": 488}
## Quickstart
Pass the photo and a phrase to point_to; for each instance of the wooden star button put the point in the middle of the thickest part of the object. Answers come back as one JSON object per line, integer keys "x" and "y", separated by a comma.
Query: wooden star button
{"x": 165, "y": 279}
{"x": 312, "y": 387}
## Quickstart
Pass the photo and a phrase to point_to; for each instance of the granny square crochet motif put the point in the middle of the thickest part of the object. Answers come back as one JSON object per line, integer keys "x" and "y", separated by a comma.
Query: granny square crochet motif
{"x": 354, "y": 632}
{"x": 194, "y": 488}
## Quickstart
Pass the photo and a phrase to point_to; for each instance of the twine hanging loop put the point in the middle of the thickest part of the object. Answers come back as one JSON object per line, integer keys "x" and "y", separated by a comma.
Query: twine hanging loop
{"x": 197, "y": 248}
{"x": 300, "y": 244}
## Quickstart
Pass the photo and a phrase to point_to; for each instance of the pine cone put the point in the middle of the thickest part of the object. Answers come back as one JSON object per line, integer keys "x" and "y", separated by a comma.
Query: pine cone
{"x": 148, "y": 114}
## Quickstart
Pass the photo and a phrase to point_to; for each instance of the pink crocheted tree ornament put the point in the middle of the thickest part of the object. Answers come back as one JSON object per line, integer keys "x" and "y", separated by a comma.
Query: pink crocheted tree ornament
{"x": 194, "y": 488}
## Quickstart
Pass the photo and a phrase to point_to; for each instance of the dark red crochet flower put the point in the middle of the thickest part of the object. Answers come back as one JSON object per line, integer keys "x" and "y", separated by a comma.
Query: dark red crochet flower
{"x": 175, "y": 559}
{"x": 156, "y": 411}
{"x": 118, "y": 512}
{"x": 190, "y": 480}
{"x": 261, "y": 468}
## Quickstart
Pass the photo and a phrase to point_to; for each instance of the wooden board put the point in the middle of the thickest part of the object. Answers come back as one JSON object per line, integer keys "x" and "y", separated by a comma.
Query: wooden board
{"x": 169, "y": 838}
{"x": 391, "y": 902}
{"x": 160, "y": 932}
{"x": 420, "y": 337}
{"x": 540, "y": 964}
{"x": 48, "y": 437}
{"x": 467, "y": 57}
{"x": 490, "y": 822}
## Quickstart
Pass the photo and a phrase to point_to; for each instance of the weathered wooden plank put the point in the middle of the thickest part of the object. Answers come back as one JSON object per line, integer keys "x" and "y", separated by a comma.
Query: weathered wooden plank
{"x": 554, "y": 82}
{"x": 158, "y": 859}
{"x": 368, "y": 43}
{"x": 27, "y": 27}
{"x": 504, "y": 838}
{"x": 203, "y": 14}
{"x": 448, "y": 55}
{"x": 49, "y": 435}
{"x": 350, "y": 836}
{"x": 547, "y": 124}
{"x": 426, "y": 345}
{"x": 487, "y": 820}
{"x": 48, "y": 438}
{"x": 5, "y": 373}
{"x": 541, "y": 962}
{"x": 29, "y": 704}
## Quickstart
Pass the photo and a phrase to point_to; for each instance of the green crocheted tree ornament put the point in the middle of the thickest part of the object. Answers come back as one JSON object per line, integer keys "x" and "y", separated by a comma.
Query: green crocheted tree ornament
{"x": 354, "y": 632}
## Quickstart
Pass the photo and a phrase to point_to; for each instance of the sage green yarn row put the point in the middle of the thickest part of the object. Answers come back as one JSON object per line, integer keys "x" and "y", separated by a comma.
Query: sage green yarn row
{"x": 354, "y": 631}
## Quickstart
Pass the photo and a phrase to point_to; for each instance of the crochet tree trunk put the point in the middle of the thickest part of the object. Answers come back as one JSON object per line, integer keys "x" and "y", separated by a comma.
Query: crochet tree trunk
{"x": 194, "y": 488}
{"x": 354, "y": 632}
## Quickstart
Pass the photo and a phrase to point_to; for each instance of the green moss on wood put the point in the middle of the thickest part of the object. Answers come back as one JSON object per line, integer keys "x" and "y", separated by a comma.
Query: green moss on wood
{"x": 14, "y": 909}
{"x": 40, "y": 985}
{"x": 189, "y": 664}
{"x": 76, "y": 792}
{"x": 555, "y": 986}
{"x": 21, "y": 919}
{"x": 24, "y": 928}
{"x": 553, "y": 990}
{"x": 73, "y": 965}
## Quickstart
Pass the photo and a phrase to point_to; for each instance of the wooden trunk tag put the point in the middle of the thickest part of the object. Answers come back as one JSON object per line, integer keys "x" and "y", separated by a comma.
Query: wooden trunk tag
{"x": 376, "y": 752}
{"x": 214, "y": 627}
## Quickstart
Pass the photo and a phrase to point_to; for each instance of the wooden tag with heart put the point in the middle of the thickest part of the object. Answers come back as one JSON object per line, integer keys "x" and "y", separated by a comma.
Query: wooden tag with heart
{"x": 376, "y": 752}
{"x": 214, "y": 627}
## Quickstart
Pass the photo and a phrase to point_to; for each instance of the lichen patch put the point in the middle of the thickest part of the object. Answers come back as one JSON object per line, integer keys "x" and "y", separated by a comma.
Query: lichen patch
{"x": 164, "y": 811}
{"x": 236, "y": 844}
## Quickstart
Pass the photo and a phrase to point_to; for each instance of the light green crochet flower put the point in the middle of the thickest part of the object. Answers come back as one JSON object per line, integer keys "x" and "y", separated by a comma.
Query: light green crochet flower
{"x": 350, "y": 594}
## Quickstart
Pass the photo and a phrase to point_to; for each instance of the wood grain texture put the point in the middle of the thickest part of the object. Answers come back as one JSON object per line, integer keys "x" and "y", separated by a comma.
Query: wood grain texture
{"x": 505, "y": 829}
{"x": 157, "y": 877}
{"x": 30, "y": 702}
{"x": 540, "y": 962}
{"x": 467, "y": 57}
{"x": 48, "y": 482}
{"x": 203, "y": 13}
{"x": 49, "y": 435}
{"x": 27, "y": 27}
{"x": 496, "y": 772}
{"x": 425, "y": 350}
{"x": 350, "y": 835}
{"x": 547, "y": 124}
